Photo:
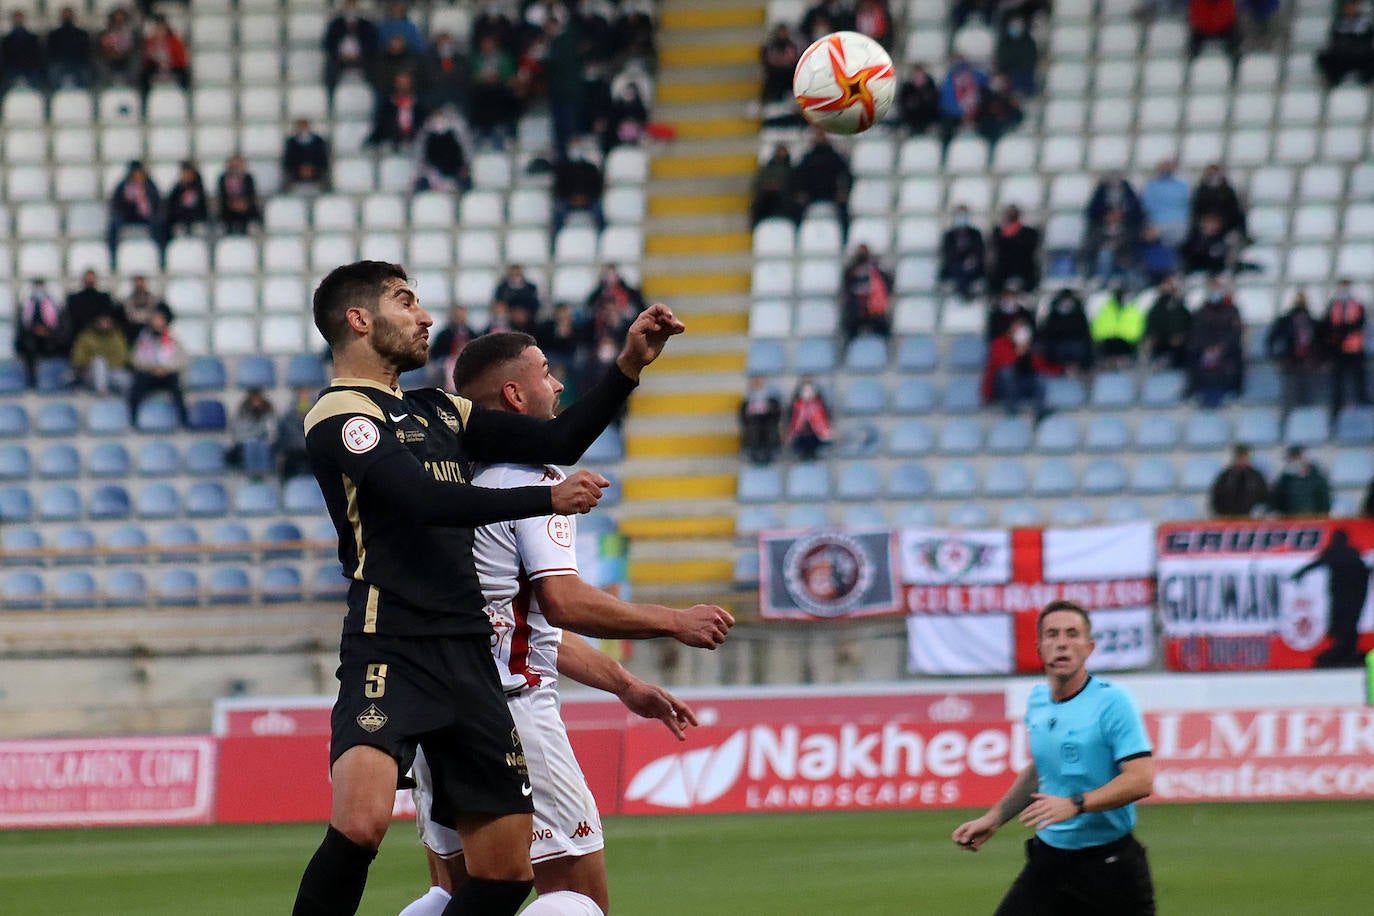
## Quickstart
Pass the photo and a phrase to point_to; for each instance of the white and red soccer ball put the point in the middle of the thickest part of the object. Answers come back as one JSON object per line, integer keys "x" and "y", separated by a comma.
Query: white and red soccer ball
{"x": 844, "y": 83}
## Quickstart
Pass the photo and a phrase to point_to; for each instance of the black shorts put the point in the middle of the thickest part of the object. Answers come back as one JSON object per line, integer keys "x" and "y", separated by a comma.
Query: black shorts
{"x": 441, "y": 692}
{"x": 1113, "y": 878}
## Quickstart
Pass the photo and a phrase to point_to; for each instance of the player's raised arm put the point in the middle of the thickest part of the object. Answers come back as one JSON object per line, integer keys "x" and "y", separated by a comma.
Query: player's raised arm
{"x": 572, "y": 604}
{"x": 594, "y": 668}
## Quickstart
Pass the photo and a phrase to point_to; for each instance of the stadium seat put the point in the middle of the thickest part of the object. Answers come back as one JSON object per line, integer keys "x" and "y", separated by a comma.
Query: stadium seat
{"x": 1064, "y": 393}
{"x": 1007, "y": 478}
{"x": 288, "y": 533}
{"x": 966, "y": 354}
{"x": 1307, "y": 426}
{"x": 1352, "y": 468}
{"x": 962, "y": 395}
{"x": 1056, "y": 435}
{"x": 125, "y": 588}
{"x": 206, "y": 415}
{"x": 750, "y": 520}
{"x": 1206, "y": 431}
{"x": 1020, "y": 513}
{"x": 1258, "y": 427}
{"x": 57, "y": 419}
{"x": 15, "y": 463}
{"x": 804, "y": 517}
{"x": 12, "y": 379}
{"x": 1106, "y": 434}
{"x": 914, "y": 515}
{"x": 74, "y": 588}
{"x": 1053, "y": 477}
{"x": 157, "y": 500}
{"x": 58, "y": 461}
{"x": 22, "y": 589}
{"x": 230, "y": 585}
{"x": 911, "y": 438}
{"x": 909, "y": 481}
{"x": 60, "y": 503}
{"x": 765, "y": 357}
{"x": 255, "y": 372}
{"x": 1071, "y": 512}
{"x": 1113, "y": 389}
{"x": 863, "y": 397}
{"x": 178, "y": 587}
{"x": 1355, "y": 425}
{"x": 157, "y": 415}
{"x": 14, "y": 420}
{"x": 230, "y": 540}
{"x": 124, "y": 543}
{"x": 866, "y": 354}
{"x": 859, "y": 481}
{"x": 205, "y": 457}
{"x": 814, "y": 357}
{"x": 1151, "y": 476}
{"x": 256, "y": 498}
{"x": 960, "y": 436}
{"x": 1157, "y": 433}
{"x": 305, "y": 370}
{"x": 159, "y": 458}
{"x": 759, "y": 484}
{"x": 1009, "y": 436}
{"x": 178, "y": 542}
{"x": 281, "y": 583}
{"x": 968, "y": 515}
{"x": 808, "y": 482}
{"x": 1163, "y": 389}
{"x": 1199, "y": 471}
{"x": 917, "y": 353}
{"x": 206, "y": 499}
{"x": 955, "y": 480}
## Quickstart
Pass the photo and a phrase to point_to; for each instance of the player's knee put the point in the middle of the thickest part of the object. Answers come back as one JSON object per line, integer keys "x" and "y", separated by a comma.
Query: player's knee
{"x": 563, "y": 903}
{"x": 362, "y": 829}
{"x": 513, "y": 869}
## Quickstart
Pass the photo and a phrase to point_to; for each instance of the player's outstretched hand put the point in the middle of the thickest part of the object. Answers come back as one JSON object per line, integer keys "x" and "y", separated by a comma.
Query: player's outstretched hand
{"x": 647, "y": 337}
{"x": 579, "y": 493}
{"x": 703, "y": 626}
{"x": 650, "y": 702}
{"x": 971, "y": 835}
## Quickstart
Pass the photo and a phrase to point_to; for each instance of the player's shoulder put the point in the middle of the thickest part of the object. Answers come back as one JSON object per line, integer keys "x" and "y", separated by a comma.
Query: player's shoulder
{"x": 1039, "y": 695}
{"x": 341, "y": 402}
{"x": 517, "y": 475}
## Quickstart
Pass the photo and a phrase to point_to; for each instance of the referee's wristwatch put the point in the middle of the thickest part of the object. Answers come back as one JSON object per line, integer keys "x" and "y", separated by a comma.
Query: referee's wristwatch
{"x": 1077, "y": 799}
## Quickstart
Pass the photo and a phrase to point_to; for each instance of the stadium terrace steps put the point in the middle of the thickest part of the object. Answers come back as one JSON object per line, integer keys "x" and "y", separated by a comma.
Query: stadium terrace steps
{"x": 686, "y": 445}
{"x": 663, "y": 529}
{"x": 692, "y": 243}
{"x": 716, "y": 19}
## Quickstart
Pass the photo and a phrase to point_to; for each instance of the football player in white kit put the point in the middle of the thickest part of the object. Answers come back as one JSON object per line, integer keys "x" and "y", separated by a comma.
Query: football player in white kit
{"x": 529, "y": 576}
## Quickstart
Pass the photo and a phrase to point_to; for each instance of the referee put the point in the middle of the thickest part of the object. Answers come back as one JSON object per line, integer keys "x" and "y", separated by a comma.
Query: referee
{"x": 1090, "y": 764}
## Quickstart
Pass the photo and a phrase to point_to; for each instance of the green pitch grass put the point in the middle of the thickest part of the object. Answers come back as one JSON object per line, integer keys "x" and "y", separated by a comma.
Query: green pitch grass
{"x": 1213, "y": 860}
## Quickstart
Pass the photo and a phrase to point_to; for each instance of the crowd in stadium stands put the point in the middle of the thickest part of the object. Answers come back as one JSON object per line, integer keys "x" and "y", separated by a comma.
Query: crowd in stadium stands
{"x": 1300, "y": 489}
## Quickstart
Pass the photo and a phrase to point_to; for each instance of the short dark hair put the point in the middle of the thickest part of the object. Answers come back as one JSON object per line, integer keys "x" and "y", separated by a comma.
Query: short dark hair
{"x": 356, "y": 285}
{"x": 1062, "y": 605}
{"x": 486, "y": 351}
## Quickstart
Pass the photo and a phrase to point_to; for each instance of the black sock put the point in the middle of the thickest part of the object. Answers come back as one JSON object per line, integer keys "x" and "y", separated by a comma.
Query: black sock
{"x": 333, "y": 881}
{"x": 488, "y": 897}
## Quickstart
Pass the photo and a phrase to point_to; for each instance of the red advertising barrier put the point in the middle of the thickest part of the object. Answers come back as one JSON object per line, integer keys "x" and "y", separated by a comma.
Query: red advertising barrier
{"x": 106, "y": 781}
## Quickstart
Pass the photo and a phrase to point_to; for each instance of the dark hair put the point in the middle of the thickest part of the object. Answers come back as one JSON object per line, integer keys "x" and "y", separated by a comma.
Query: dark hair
{"x": 486, "y": 351}
{"x": 356, "y": 285}
{"x": 1063, "y": 605}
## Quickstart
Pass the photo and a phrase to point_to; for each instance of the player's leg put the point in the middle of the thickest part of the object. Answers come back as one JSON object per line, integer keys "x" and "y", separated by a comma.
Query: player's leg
{"x": 443, "y": 847}
{"x": 563, "y": 903}
{"x": 496, "y": 853}
{"x": 1032, "y": 893}
{"x": 583, "y": 875}
{"x": 1115, "y": 881}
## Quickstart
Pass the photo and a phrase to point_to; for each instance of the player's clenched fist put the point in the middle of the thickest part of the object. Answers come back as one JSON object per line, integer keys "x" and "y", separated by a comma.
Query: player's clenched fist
{"x": 579, "y": 493}
{"x": 647, "y": 337}
{"x": 703, "y": 626}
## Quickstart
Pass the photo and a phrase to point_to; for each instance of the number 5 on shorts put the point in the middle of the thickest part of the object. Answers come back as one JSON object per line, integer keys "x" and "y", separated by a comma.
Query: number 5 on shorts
{"x": 375, "y": 687}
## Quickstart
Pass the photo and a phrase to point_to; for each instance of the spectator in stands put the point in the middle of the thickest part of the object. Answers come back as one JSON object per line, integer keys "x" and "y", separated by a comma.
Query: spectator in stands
{"x": 567, "y": 87}
{"x": 135, "y": 202}
{"x": 1301, "y": 488}
{"x": 963, "y": 255}
{"x": 1015, "y": 252}
{"x": 40, "y": 330}
{"x": 1008, "y": 308}
{"x": 187, "y": 205}
{"x": 1214, "y": 20}
{"x": 872, "y": 18}
{"x": 760, "y": 418}
{"x": 1294, "y": 342}
{"x": 808, "y": 424}
{"x": 1350, "y": 48}
{"x": 1114, "y": 192}
{"x": 443, "y": 161}
{"x": 516, "y": 290}
{"x": 961, "y": 96}
{"x": 999, "y": 110}
{"x": 578, "y": 186}
{"x": 866, "y": 305}
{"x": 238, "y": 197}
{"x": 772, "y": 190}
{"x": 961, "y": 11}
{"x": 289, "y": 443}
{"x": 398, "y": 22}
{"x": 492, "y": 105}
{"x": 1261, "y": 15}
{"x": 560, "y": 338}
{"x": 100, "y": 356}
{"x": 304, "y": 159}
{"x": 395, "y": 58}
{"x": 827, "y": 16}
{"x": 446, "y": 73}
{"x": 1118, "y": 328}
{"x": 1164, "y": 201}
{"x": 778, "y": 57}
{"x": 1345, "y": 324}
{"x": 498, "y": 319}
{"x": 1215, "y": 357}
{"x": 1110, "y": 250}
{"x": 1215, "y": 195}
{"x": 823, "y": 176}
{"x": 1064, "y": 337}
{"x": 117, "y": 56}
{"x": 164, "y": 57}
{"x": 88, "y": 303}
{"x": 1238, "y": 489}
{"x": 21, "y": 57}
{"x": 71, "y": 60}
{"x": 140, "y": 306}
{"x": 626, "y": 119}
{"x": 252, "y": 431}
{"x": 1017, "y": 56}
{"x": 445, "y": 346}
{"x": 399, "y": 116}
{"x": 918, "y": 100}
{"x": 1156, "y": 259}
{"x": 1208, "y": 248}
{"x": 1014, "y": 373}
{"x": 350, "y": 43}
{"x": 612, "y": 289}
{"x": 1168, "y": 326}
{"x": 158, "y": 360}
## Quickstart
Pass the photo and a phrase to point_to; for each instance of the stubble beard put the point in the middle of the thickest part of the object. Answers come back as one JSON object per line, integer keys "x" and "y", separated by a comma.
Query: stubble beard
{"x": 393, "y": 345}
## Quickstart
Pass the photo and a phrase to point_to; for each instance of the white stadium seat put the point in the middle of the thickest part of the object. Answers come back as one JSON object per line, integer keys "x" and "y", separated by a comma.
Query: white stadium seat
{"x": 530, "y": 246}
{"x": 236, "y": 254}
{"x": 71, "y": 107}
{"x": 191, "y": 295}
{"x": 481, "y": 209}
{"x": 430, "y": 250}
{"x": 188, "y": 256}
{"x": 383, "y": 211}
{"x": 382, "y": 246}
{"x": 235, "y": 295}
{"x": 482, "y": 248}
{"x": 284, "y": 254}
{"x": 287, "y": 295}
{"x": 90, "y": 255}
{"x": 774, "y": 237}
{"x": 433, "y": 210}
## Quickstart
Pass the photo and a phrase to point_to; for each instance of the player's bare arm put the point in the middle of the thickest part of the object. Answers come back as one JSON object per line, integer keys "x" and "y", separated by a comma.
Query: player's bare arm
{"x": 572, "y": 604}
{"x": 594, "y": 668}
{"x": 973, "y": 834}
{"x": 647, "y": 337}
{"x": 1134, "y": 782}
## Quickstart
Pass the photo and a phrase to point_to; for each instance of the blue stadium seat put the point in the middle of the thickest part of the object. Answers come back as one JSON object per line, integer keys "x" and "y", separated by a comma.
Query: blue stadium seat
{"x": 1053, "y": 477}
{"x": 1198, "y": 473}
{"x": 157, "y": 415}
{"x": 59, "y": 503}
{"x": 1307, "y": 426}
{"x": 22, "y": 589}
{"x": 1355, "y": 425}
{"x": 1125, "y": 510}
{"x": 255, "y": 372}
{"x": 918, "y": 353}
{"x": 961, "y": 395}
{"x": 968, "y": 515}
{"x": 607, "y": 448}
{"x": 208, "y": 416}
{"x": 859, "y": 480}
{"x": 1262, "y": 385}
{"x": 125, "y": 588}
{"x": 1352, "y": 468}
{"x": 759, "y": 484}
{"x": 1179, "y": 509}
{"x": 14, "y": 420}
{"x": 74, "y": 588}
{"x": 1152, "y": 475}
{"x": 159, "y": 458}
{"x": 806, "y": 516}
{"x": 750, "y": 520}
{"x": 967, "y": 353}
{"x": 1057, "y": 435}
{"x": 863, "y": 397}
{"x": 1258, "y": 427}
{"x": 765, "y": 357}
{"x": 1163, "y": 388}
{"x": 913, "y": 395}
{"x": 107, "y": 417}
{"x": 1007, "y": 478}
{"x": 1010, "y": 436}
{"x": 75, "y": 545}
{"x": 1104, "y": 477}
{"x": 1344, "y": 506}
{"x": 282, "y": 583}
{"x": 179, "y": 541}
{"x": 808, "y": 482}
{"x": 14, "y": 462}
{"x": 858, "y": 439}
{"x": 59, "y": 461}
{"x": 53, "y": 375}
{"x": 1159, "y": 432}
{"x": 206, "y": 499}
{"x": 288, "y": 533}
{"x": 1207, "y": 431}
{"x": 58, "y": 419}
{"x": 16, "y": 505}
{"x": 306, "y": 370}
{"x": 1071, "y": 512}
{"x": 108, "y": 459}
{"x": 866, "y": 354}
{"x": 130, "y": 538}
{"x": 325, "y": 537}
{"x": 328, "y": 583}
{"x": 914, "y": 515}
{"x": 911, "y": 437}
{"x": 205, "y": 457}
{"x": 1113, "y": 389}
{"x": 12, "y": 379}
{"x": 257, "y": 498}
{"x": 230, "y": 585}
{"x": 1020, "y": 514}
{"x": 178, "y": 587}
{"x": 956, "y": 480}
{"x": 157, "y": 500}
{"x": 814, "y": 357}
{"x": 1106, "y": 434}
{"x": 746, "y": 570}
{"x": 863, "y": 515}
{"x": 230, "y": 540}
{"x": 960, "y": 436}
{"x": 204, "y": 373}
{"x": 1064, "y": 394}
{"x": 18, "y": 540}
{"x": 908, "y": 481}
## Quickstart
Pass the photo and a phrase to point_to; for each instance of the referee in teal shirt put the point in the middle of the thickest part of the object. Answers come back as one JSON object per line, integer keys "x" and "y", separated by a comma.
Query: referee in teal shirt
{"x": 1090, "y": 764}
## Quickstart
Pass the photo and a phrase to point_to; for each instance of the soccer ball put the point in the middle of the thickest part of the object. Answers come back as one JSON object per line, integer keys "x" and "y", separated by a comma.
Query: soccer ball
{"x": 844, "y": 83}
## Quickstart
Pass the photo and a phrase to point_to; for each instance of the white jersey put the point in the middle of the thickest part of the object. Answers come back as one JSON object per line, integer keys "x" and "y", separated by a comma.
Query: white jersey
{"x": 509, "y": 557}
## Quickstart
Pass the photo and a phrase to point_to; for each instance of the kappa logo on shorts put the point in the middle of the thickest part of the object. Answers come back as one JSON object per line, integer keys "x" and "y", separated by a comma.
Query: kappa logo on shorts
{"x": 583, "y": 830}
{"x": 371, "y": 719}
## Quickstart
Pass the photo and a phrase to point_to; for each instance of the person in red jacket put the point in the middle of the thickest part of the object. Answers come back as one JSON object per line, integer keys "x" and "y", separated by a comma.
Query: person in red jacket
{"x": 1014, "y": 371}
{"x": 1345, "y": 323}
{"x": 164, "y": 55}
{"x": 1214, "y": 20}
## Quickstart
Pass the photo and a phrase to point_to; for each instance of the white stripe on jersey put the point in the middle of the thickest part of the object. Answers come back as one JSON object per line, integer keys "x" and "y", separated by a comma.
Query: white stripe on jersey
{"x": 509, "y": 557}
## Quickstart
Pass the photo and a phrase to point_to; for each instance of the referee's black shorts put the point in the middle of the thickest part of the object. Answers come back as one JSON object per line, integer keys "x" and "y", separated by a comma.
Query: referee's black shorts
{"x": 1110, "y": 879}
{"x": 441, "y": 692}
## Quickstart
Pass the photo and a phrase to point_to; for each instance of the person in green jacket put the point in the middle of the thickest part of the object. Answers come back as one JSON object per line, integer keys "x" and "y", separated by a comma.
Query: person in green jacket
{"x": 1117, "y": 329}
{"x": 1301, "y": 488}
{"x": 100, "y": 356}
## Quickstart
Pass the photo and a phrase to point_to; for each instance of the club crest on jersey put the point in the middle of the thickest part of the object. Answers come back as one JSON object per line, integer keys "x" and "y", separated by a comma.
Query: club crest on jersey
{"x": 560, "y": 530}
{"x": 360, "y": 435}
{"x": 372, "y": 719}
{"x": 448, "y": 418}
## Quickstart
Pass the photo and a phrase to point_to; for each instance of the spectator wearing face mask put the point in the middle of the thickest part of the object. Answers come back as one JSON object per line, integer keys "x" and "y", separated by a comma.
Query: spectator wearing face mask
{"x": 1064, "y": 337}
{"x": 1345, "y": 324}
{"x": 1014, "y": 372}
{"x": 1294, "y": 342}
{"x": 867, "y": 296}
{"x": 1009, "y": 307}
{"x": 1301, "y": 488}
{"x": 1215, "y": 356}
{"x": 918, "y": 100}
{"x": 1015, "y": 252}
{"x": 1017, "y": 56}
{"x": 1164, "y": 202}
{"x": 305, "y": 158}
{"x": 963, "y": 255}
{"x": 760, "y": 415}
{"x": 1168, "y": 325}
{"x": 808, "y": 426}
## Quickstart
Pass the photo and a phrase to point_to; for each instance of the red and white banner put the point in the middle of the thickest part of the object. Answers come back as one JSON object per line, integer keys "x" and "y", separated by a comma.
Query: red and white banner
{"x": 974, "y": 595}
{"x": 828, "y": 574}
{"x": 1264, "y": 594}
{"x": 106, "y": 781}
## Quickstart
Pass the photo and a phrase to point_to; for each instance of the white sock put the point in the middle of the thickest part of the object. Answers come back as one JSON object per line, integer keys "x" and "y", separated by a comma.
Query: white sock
{"x": 562, "y": 903}
{"x": 431, "y": 904}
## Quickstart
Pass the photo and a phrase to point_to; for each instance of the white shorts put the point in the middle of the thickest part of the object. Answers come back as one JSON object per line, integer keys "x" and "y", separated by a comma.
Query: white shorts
{"x": 566, "y": 822}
